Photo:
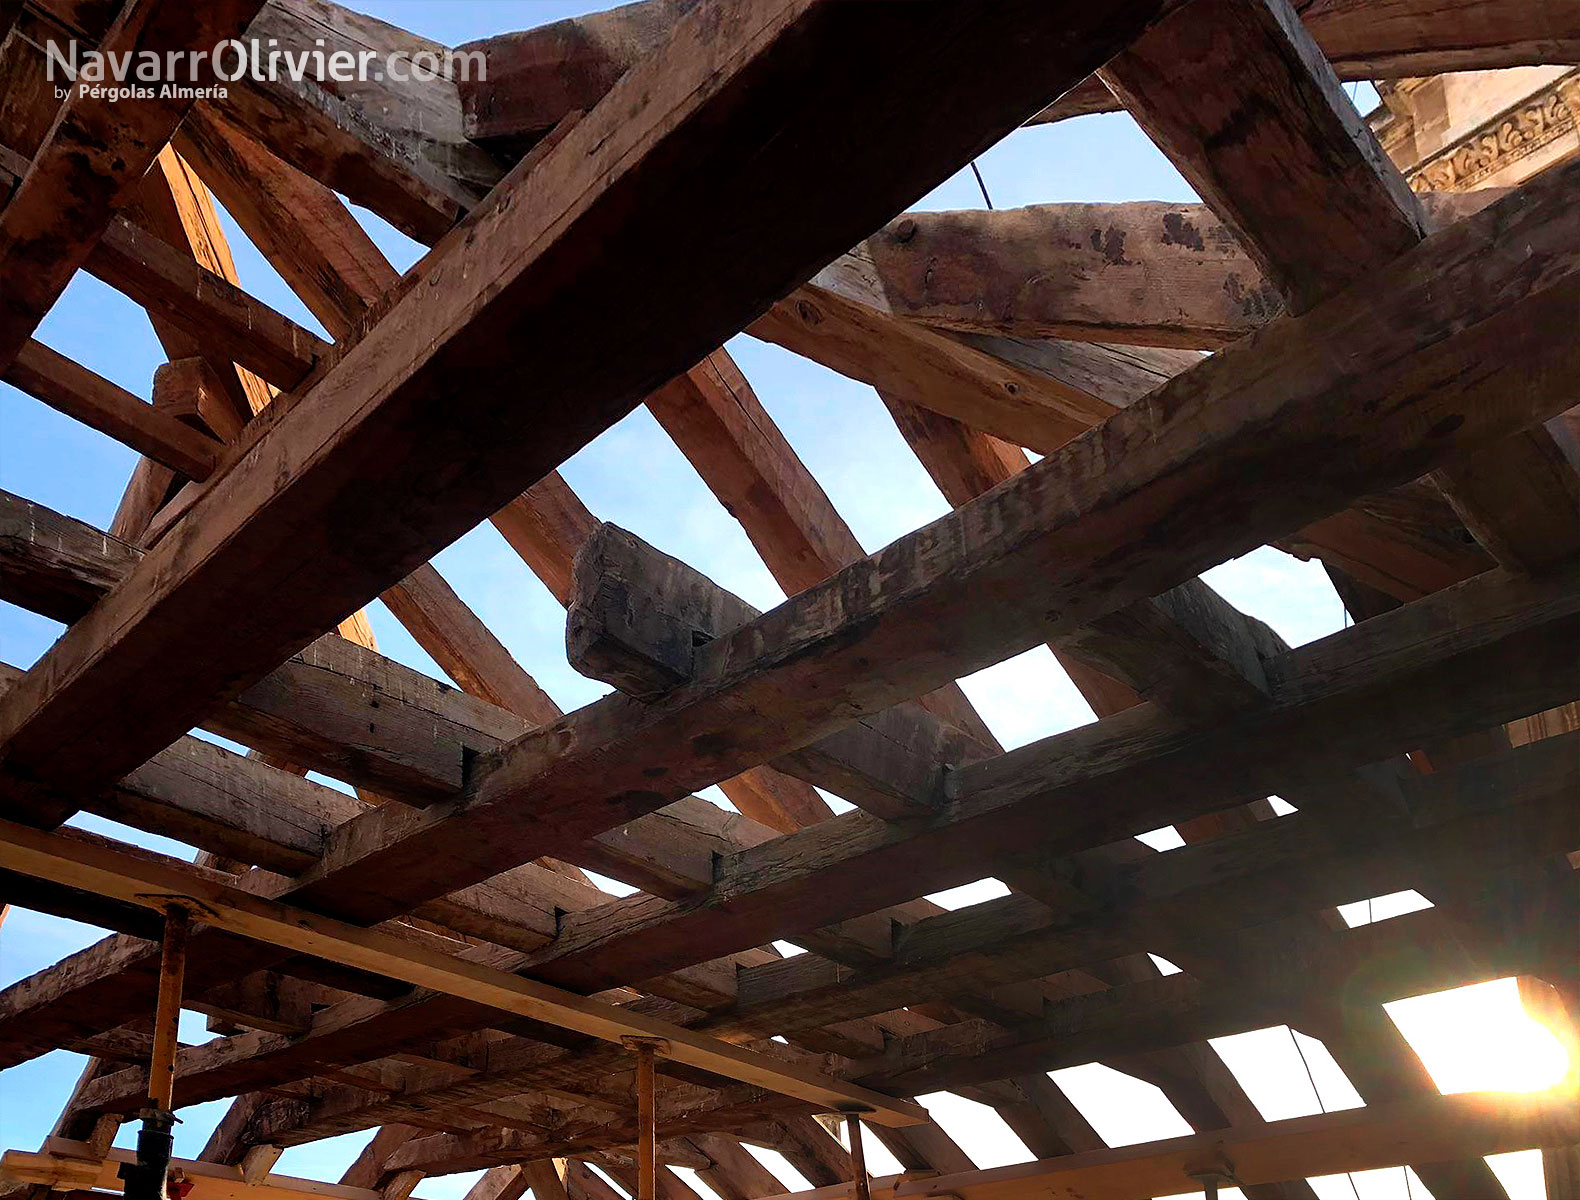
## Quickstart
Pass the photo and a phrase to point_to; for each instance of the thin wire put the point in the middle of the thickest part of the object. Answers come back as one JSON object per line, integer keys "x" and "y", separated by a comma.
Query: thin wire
{"x": 1312, "y": 1079}
{"x": 980, "y": 184}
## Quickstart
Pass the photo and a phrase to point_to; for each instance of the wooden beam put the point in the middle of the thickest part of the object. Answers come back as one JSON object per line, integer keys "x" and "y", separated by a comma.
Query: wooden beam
{"x": 93, "y": 158}
{"x": 1382, "y": 692}
{"x": 1146, "y": 273}
{"x": 111, "y": 409}
{"x": 1361, "y": 1139}
{"x": 249, "y": 533}
{"x": 536, "y": 76}
{"x": 464, "y": 647}
{"x": 111, "y": 873}
{"x": 1335, "y": 211}
{"x": 67, "y": 1166}
{"x": 926, "y": 623}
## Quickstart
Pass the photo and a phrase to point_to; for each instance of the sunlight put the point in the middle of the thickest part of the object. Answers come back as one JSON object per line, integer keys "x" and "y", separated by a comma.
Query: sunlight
{"x": 1480, "y": 1038}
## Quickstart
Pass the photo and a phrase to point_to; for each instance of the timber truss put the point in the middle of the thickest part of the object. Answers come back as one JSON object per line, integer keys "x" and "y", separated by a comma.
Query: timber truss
{"x": 1386, "y": 391}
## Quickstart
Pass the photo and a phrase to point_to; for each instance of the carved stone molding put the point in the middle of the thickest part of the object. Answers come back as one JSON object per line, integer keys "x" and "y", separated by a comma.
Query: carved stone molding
{"x": 1522, "y": 130}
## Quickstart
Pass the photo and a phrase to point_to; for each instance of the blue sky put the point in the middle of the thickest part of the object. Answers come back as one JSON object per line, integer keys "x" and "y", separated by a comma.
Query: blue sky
{"x": 633, "y": 475}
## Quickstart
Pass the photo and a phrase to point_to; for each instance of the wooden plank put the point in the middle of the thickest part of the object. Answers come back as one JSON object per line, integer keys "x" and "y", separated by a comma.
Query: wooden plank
{"x": 93, "y": 158}
{"x": 92, "y": 399}
{"x": 205, "y": 305}
{"x": 928, "y": 368}
{"x": 123, "y": 877}
{"x": 1362, "y": 1139}
{"x": 250, "y": 533}
{"x": 1336, "y": 209}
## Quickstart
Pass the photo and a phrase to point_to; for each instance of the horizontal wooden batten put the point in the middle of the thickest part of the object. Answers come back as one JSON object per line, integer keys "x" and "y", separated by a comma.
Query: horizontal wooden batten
{"x": 65, "y": 1165}
{"x": 1362, "y": 1139}
{"x": 107, "y": 872}
{"x": 112, "y": 410}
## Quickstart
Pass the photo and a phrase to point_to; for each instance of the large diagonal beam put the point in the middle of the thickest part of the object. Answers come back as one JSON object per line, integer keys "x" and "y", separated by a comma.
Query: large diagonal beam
{"x": 1031, "y": 546}
{"x": 94, "y": 156}
{"x": 428, "y": 393}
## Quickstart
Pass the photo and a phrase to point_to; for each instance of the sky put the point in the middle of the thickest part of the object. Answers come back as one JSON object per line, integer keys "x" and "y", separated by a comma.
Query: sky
{"x": 1471, "y": 1039}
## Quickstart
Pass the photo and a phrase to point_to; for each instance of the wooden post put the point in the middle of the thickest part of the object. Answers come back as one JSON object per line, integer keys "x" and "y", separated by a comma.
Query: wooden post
{"x": 646, "y": 1114}
{"x": 172, "y": 968}
{"x": 858, "y": 1153}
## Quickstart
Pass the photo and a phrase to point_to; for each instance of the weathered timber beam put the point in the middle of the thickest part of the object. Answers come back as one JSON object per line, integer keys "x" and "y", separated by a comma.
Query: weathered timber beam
{"x": 1039, "y": 395}
{"x": 1378, "y": 963}
{"x": 955, "y": 596}
{"x": 1146, "y": 273}
{"x": 1140, "y": 755}
{"x": 248, "y": 534}
{"x": 1335, "y": 211}
{"x": 347, "y": 710}
{"x": 1209, "y": 886}
{"x": 92, "y": 160}
{"x": 112, "y": 410}
{"x": 535, "y": 77}
{"x": 1362, "y": 1139}
{"x": 396, "y": 149}
{"x": 208, "y": 307}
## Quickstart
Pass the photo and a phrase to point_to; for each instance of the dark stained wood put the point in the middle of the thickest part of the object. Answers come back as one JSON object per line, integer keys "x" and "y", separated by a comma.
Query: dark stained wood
{"x": 48, "y": 566}
{"x": 92, "y": 158}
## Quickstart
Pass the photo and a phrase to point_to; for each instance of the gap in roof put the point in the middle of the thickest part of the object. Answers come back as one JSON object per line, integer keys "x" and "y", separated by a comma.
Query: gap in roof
{"x": 967, "y": 894}
{"x": 446, "y": 1187}
{"x": 327, "y": 1159}
{"x": 1386, "y": 1183}
{"x": 1285, "y": 1073}
{"x": 1124, "y": 1111}
{"x": 1026, "y": 698}
{"x": 634, "y": 476}
{"x": 1294, "y": 597}
{"x": 1382, "y": 908}
{"x": 1480, "y": 1038}
{"x": 978, "y": 1129}
{"x": 880, "y": 1159}
{"x": 1166, "y": 838}
{"x": 780, "y": 1167}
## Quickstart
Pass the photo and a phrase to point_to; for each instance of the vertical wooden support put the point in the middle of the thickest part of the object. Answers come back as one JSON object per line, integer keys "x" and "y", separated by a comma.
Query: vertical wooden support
{"x": 172, "y": 968}
{"x": 644, "y": 1087}
{"x": 858, "y": 1153}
